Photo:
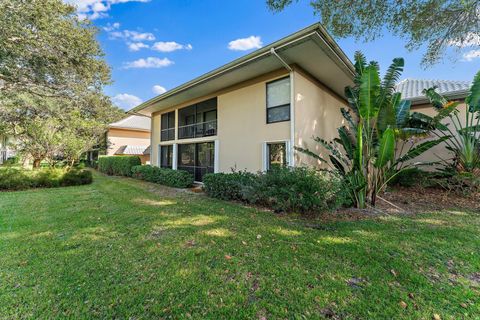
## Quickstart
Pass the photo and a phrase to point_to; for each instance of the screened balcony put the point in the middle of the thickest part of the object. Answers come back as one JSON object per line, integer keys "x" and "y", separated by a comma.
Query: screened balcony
{"x": 198, "y": 120}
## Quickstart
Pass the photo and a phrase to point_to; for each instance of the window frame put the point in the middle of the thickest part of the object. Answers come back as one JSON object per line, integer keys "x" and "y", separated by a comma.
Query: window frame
{"x": 170, "y": 148}
{"x": 279, "y": 106}
{"x": 167, "y": 114}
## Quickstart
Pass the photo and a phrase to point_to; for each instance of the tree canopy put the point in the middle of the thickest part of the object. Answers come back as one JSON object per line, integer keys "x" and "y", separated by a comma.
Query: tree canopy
{"x": 437, "y": 23}
{"x": 52, "y": 75}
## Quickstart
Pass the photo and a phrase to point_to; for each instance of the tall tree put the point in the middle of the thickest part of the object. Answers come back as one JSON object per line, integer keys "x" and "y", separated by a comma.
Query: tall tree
{"x": 45, "y": 49}
{"x": 437, "y": 23}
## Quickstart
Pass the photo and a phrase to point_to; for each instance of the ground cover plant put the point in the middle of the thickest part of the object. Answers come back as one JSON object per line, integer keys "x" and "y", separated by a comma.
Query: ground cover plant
{"x": 128, "y": 249}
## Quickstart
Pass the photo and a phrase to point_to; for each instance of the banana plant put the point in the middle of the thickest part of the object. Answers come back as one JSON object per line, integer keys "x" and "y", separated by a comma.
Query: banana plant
{"x": 463, "y": 134}
{"x": 365, "y": 152}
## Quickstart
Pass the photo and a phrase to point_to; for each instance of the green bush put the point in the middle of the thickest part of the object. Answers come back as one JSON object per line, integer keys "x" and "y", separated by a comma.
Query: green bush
{"x": 230, "y": 186}
{"x": 411, "y": 177}
{"x": 163, "y": 176}
{"x": 282, "y": 189}
{"x": 20, "y": 179}
{"x": 118, "y": 165}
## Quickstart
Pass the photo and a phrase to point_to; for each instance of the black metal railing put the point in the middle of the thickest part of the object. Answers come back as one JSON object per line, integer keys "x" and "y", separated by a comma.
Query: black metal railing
{"x": 167, "y": 134}
{"x": 198, "y": 130}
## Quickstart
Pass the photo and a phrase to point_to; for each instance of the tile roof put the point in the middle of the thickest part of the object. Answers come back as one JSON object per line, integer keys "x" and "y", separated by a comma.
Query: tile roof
{"x": 133, "y": 122}
{"x": 131, "y": 150}
{"x": 412, "y": 88}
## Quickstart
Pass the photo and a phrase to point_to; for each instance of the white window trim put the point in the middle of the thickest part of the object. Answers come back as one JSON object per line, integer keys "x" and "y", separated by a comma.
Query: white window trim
{"x": 288, "y": 150}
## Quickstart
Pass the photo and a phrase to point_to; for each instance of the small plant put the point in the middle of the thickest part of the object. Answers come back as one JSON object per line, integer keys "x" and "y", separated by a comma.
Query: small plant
{"x": 118, "y": 165}
{"x": 163, "y": 176}
{"x": 20, "y": 179}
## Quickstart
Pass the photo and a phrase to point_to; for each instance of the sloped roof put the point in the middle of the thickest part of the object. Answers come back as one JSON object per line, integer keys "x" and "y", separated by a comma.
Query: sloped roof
{"x": 133, "y": 122}
{"x": 131, "y": 150}
{"x": 412, "y": 88}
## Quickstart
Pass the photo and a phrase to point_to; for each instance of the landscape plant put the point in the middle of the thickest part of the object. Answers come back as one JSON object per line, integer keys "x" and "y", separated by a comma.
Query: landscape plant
{"x": 366, "y": 152}
{"x": 462, "y": 133}
{"x": 164, "y": 176}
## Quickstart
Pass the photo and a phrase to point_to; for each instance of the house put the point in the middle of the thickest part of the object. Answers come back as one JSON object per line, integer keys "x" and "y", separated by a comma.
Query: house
{"x": 6, "y": 150}
{"x": 248, "y": 114}
{"x": 130, "y": 136}
{"x": 412, "y": 89}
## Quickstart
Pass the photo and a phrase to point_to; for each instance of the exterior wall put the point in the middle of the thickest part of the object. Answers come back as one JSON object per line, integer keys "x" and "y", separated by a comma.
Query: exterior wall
{"x": 438, "y": 152}
{"x": 317, "y": 114}
{"x": 242, "y": 127}
{"x": 121, "y": 137}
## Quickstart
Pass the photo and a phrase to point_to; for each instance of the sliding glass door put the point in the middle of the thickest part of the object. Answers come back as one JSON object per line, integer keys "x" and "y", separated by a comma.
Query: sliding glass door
{"x": 197, "y": 158}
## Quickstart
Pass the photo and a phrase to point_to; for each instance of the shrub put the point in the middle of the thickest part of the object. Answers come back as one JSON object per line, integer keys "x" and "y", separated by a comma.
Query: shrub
{"x": 118, "y": 165}
{"x": 282, "y": 189}
{"x": 411, "y": 177}
{"x": 163, "y": 176}
{"x": 230, "y": 186}
{"x": 20, "y": 179}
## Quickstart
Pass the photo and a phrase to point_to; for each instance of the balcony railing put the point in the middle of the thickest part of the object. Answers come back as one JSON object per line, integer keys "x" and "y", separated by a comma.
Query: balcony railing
{"x": 167, "y": 134}
{"x": 198, "y": 130}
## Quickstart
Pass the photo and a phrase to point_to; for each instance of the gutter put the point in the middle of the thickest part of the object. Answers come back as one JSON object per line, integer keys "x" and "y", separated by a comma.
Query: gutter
{"x": 291, "y": 150}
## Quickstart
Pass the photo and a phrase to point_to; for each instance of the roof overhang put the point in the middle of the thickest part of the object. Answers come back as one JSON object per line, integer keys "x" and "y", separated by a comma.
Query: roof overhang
{"x": 128, "y": 128}
{"x": 454, "y": 95}
{"x": 312, "y": 49}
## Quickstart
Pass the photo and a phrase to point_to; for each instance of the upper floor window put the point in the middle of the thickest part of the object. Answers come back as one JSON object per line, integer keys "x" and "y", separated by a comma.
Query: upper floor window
{"x": 198, "y": 120}
{"x": 167, "y": 131}
{"x": 278, "y": 100}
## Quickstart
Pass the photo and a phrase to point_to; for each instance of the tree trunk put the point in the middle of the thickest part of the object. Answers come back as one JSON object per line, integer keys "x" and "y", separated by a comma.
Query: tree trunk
{"x": 36, "y": 163}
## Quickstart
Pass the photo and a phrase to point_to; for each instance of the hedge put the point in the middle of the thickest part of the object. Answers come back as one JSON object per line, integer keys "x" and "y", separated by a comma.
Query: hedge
{"x": 20, "y": 179}
{"x": 281, "y": 189}
{"x": 163, "y": 176}
{"x": 118, "y": 165}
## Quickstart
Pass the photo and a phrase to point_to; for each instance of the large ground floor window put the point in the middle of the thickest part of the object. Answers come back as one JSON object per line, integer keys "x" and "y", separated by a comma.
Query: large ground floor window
{"x": 276, "y": 155}
{"x": 197, "y": 158}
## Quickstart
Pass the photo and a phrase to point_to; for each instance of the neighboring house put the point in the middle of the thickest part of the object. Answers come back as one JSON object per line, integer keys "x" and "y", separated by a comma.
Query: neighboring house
{"x": 412, "y": 89}
{"x": 248, "y": 114}
{"x": 6, "y": 150}
{"x": 130, "y": 136}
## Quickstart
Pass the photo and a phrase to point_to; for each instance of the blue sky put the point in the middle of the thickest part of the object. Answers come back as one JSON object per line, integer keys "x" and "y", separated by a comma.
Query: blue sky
{"x": 153, "y": 45}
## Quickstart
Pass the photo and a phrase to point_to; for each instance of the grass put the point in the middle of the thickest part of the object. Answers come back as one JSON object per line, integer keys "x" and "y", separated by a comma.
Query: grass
{"x": 126, "y": 249}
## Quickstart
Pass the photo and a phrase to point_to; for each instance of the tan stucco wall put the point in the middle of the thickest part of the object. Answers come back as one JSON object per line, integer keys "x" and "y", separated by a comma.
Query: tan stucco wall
{"x": 438, "y": 152}
{"x": 119, "y": 137}
{"x": 243, "y": 128}
{"x": 317, "y": 114}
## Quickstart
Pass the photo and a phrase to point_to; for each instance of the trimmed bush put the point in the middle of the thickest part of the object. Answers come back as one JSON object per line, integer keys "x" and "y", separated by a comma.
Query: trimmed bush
{"x": 118, "y": 165}
{"x": 163, "y": 176}
{"x": 20, "y": 179}
{"x": 281, "y": 189}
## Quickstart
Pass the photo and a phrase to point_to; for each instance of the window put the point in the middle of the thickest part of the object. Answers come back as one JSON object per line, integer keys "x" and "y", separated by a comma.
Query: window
{"x": 276, "y": 155}
{"x": 197, "y": 158}
{"x": 166, "y": 156}
{"x": 198, "y": 120}
{"x": 278, "y": 100}
{"x": 167, "y": 131}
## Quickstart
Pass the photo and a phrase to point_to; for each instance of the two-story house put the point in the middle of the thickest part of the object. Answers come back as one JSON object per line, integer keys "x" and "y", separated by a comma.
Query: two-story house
{"x": 248, "y": 114}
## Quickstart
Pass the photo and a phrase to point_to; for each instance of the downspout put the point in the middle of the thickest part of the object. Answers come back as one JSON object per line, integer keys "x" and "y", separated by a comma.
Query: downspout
{"x": 291, "y": 157}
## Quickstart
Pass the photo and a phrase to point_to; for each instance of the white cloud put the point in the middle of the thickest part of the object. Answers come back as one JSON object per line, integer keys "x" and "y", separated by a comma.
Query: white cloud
{"x": 132, "y": 35}
{"x": 157, "y": 89}
{"x": 111, "y": 26}
{"x": 94, "y": 9}
{"x": 136, "y": 46}
{"x": 471, "y": 55}
{"x": 126, "y": 101}
{"x": 170, "y": 46}
{"x": 469, "y": 40}
{"x": 150, "y": 62}
{"x": 252, "y": 42}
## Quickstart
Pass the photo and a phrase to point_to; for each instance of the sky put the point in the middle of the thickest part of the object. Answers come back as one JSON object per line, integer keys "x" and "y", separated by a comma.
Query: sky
{"x": 156, "y": 45}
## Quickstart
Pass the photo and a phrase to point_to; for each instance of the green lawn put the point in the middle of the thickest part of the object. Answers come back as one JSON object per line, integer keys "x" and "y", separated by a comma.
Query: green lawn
{"x": 125, "y": 249}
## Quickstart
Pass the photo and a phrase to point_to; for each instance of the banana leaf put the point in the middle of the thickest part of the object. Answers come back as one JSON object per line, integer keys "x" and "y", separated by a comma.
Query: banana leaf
{"x": 386, "y": 149}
